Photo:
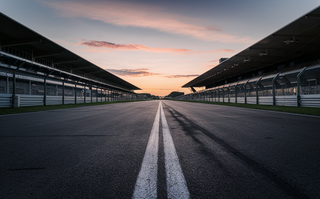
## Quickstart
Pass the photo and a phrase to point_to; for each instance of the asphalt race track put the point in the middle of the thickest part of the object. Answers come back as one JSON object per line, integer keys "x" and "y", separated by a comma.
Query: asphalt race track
{"x": 159, "y": 149}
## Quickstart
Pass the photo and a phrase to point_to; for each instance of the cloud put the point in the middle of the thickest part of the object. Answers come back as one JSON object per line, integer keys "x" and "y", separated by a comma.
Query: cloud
{"x": 140, "y": 15}
{"x": 142, "y": 72}
{"x": 133, "y": 72}
{"x": 181, "y": 76}
{"x": 135, "y": 47}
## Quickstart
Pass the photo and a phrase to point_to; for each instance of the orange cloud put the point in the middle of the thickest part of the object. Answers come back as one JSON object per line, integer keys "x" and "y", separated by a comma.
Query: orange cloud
{"x": 181, "y": 76}
{"x": 137, "y": 47}
{"x": 142, "y": 72}
{"x": 133, "y": 72}
{"x": 140, "y": 15}
{"x": 132, "y": 47}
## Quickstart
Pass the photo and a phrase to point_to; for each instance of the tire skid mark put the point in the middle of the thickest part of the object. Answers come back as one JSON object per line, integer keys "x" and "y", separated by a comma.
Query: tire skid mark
{"x": 256, "y": 166}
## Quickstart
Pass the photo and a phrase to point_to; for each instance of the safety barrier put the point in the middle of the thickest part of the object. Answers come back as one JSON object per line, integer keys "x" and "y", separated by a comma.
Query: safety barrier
{"x": 310, "y": 100}
{"x": 299, "y": 87}
{"x": 30, "y": 100}
{"x": 38, "y": 100}
{"x": 5, "y": 100}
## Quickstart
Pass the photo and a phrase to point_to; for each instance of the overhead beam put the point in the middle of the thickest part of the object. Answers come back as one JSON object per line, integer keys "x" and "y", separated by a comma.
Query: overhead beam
{"x": 83, "y": 67}
{"x": 19, "y": 42}
{"x": 47, "y": 54}
{"x": 95, "y": 72}
{"x": 66, "y": 61}
{"x": 312, "y": 16}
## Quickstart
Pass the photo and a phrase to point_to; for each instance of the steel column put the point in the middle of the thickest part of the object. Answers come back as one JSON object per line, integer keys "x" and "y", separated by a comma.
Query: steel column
{"x": 91, "y": 92}
{"x": 273, "y": 89}
{"x": 45, "y": 89}
{"x": 257, "y": 90}
{"x": 75, "y": 92}
{"x": 245, "y": 92}
{"x": 228, "y": 94}
{"x": 222, "y": 95}
{"x": 84, "y": 93}
{"x": 14, "y": 84}
{"x": 30, "y": 87}
{"x": 101, "y": 93}
{"x": 7, "y": 85}
{"x": 236, "y": 93}
{"x": 298, "y": 86}
{"x": 105, "y": 95}
{"x": 63, "y": 91}
{"x": 96, "y": 93}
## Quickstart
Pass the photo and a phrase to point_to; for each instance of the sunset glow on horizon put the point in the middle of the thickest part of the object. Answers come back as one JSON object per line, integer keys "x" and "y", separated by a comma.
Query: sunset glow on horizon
{"x": 157, "y": 46}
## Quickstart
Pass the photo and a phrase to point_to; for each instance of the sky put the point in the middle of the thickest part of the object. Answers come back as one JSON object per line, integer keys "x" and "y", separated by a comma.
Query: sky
{"x": 157, "y": 46}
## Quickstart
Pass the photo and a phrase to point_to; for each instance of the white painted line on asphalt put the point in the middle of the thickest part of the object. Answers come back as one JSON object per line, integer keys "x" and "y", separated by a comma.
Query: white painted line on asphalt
{"x": 176, "y": 183}
{"x": 146, "y": 185}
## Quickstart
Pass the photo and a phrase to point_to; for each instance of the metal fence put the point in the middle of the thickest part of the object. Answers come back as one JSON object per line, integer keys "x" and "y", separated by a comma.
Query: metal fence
{"x": 30, "y": 91}
{"x": 294, "y": 88}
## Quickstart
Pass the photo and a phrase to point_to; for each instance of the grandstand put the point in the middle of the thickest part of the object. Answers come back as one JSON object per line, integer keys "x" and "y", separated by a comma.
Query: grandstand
{"x": 281, "y": 69}
{"x": 36, "y": 71}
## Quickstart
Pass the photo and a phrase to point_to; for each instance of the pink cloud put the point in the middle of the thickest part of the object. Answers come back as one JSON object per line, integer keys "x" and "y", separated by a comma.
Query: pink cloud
{"x": 133, "y": 72}
{"x": 137, "y": 47}
{"x": 181, "y": 76}
{"x": 140, "y": 15}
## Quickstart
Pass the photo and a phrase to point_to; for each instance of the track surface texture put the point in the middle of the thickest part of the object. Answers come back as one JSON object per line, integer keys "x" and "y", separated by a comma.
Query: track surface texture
{"x": 166, "y": 149}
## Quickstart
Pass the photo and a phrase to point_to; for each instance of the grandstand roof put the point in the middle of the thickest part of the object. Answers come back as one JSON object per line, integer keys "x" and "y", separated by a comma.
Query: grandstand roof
{"x": 14, "y": 34}
{"x": 298, "y": 38}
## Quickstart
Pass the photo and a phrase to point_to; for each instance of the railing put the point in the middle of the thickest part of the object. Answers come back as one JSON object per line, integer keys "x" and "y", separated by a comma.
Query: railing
{"x": 268, "y": 92}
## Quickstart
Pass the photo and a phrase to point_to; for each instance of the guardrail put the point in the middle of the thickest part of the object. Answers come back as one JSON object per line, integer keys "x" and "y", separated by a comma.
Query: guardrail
{"x": 293, "y": 88}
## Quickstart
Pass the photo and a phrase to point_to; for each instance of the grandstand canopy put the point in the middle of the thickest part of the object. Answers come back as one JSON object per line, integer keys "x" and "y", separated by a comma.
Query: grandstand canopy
{"x": 297, "y": 39}
{"x": 14, "y": 34}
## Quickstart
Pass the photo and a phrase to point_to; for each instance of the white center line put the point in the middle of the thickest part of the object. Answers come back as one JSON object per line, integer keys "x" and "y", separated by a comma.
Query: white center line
{"x": 176, "y": 183}
{"x": 146, "y": 185}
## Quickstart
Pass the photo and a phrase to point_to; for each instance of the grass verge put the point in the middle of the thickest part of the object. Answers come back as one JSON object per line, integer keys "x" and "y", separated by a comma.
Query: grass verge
{"x": 288, "y": 109}
{"x": 27, "y": 109}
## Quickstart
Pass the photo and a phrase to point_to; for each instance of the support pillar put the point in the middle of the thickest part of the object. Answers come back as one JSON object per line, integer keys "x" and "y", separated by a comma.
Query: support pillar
{"x": 45, "y": 89}
{"x": 101, "y": 93}
{"x": 298, "y": 86}
{"x": 75, "y": 92}
{"x": 97, "y": 94}
{"x": 13, "y": 101}
{"x": 84, "y": 93}
{"x": 7, "y": 86}
{"x": 30, "y": 87}
{"x": 257, "y": 90}
{"x": 91, "y": 92}
{"x": 273, "y": 89}
{"x": 63, "y": 91}
{"x": 222, "y": 95}
{"x": 228, "y": 89}
{"x": 236, "y": 94}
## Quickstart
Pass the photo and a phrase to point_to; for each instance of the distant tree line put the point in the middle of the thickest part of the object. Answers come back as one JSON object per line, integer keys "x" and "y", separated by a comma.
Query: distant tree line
{"x": 174, "y": 94}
